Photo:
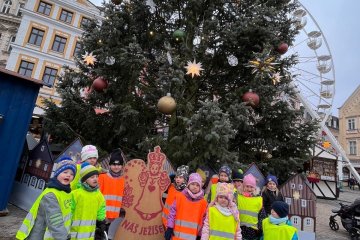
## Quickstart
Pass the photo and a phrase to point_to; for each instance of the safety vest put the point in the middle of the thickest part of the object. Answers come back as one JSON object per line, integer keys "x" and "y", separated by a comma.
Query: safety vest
{"x": 249, "y": 208}
{"x": 172, "y": 192}
{"x": 189, "y": 218}
{"x": 113, "y": 191}
{"x": 221, "y": 227}
{"x": 213, "y": 192}
{"x": 277, "y": 232}
{"x": 85, "y": 213}
{"x": 75, "y": 183}
{"x": 64, "y": 200}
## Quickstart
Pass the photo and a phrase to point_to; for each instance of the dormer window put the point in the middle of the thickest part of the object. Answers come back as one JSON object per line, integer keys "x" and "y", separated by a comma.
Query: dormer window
{"x": 6, "y": 7}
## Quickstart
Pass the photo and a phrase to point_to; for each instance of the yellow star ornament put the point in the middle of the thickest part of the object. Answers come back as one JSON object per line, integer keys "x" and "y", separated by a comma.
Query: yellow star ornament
{"x": 89, "y": 59}
{"x": 193, "y": 68}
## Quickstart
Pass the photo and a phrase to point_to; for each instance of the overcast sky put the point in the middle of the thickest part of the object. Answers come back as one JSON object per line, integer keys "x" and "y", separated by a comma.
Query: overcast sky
{"x": 339, "y": 22}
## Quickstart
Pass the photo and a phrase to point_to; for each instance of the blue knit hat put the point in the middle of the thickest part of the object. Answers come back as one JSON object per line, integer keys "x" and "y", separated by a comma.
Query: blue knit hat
{"x": 281, "y": 208}
{"x": 226, "y": 169}
{"x": 63, "y": 164}
{"x": 271, "y": 178}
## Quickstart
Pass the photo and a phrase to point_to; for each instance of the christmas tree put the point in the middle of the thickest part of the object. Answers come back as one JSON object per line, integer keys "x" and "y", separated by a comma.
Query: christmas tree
{"x": 223, "y": 64}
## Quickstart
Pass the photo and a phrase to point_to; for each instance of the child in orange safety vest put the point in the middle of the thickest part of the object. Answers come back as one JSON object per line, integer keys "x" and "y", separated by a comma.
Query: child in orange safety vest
{"x": 188, "y": 211}
{"x": 112, "y": 186}
{"x": 181, "y": 177}
{"x": 222, "y": 218}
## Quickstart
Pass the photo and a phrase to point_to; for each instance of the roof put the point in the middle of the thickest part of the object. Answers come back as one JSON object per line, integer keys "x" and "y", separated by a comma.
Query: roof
{"x": 303, "y": 178}
{"x": 19, "y": 76}
{"x": 352, "y": 95}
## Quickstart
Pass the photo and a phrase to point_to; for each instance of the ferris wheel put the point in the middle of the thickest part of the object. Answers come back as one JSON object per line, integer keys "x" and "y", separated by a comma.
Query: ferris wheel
{"x": 314, "y": 74}
{"x": 314, "y": 77}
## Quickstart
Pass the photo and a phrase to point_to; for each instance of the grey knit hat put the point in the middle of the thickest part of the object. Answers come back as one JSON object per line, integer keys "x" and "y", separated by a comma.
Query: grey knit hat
{"x": 183, "y": 171}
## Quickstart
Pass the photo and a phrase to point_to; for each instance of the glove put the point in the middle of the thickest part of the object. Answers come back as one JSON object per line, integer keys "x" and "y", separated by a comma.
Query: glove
{"x": 101, "y": 225}
{"x": 169, "y": 233}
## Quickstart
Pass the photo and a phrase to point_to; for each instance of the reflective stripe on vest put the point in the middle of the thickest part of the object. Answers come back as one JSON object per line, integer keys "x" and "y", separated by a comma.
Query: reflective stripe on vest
{"x": 249, "y": 208}
{"x": 112, "y": 209}
{"x": 64, "y": 201}
{"x": 113, "y": 197}
{"x": 83, "y": 223}
{"x": 277, "y": 232}
{"x": 221, "y": 227}
{"x": 189, "y": 217}
{"x": 77, "y": 235}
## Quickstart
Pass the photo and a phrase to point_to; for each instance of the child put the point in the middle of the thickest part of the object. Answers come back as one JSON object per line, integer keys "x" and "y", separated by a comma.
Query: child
{"x": 89, "y": 154}
{"x": 277, "y": 226}
{"x": 112, "y": 186}
{"x": 271, "y": 193}
{"x": 222, "y": 219}
{"x": 50, "y": 215}
{"x": 251, "y": 210}
{"x": 187, "y": 212}
{"x": 224, "y": 177}
{"x": 181, "y": 177}
{"x": 237, "y": 178}
{"x": 88, "y": 205}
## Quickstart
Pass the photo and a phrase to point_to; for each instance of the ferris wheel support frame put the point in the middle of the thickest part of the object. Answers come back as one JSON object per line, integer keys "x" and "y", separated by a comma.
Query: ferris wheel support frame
{"x": 336, "y": 145}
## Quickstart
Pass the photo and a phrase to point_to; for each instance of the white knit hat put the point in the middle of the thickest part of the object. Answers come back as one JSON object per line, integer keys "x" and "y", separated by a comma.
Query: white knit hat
{"x": 89, "y": 151}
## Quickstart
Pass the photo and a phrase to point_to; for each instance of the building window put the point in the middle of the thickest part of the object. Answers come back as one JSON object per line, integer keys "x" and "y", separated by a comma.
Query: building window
{"x": 292, "y": 186}
{"x": 351, "y": 124}
{"x": 300, "y": 187}
{"x": 66, "y": 16}
{"x": 44, "y": 8}
{"x": 6, "y": 7}
{"x": 19, "y": 11}
{"x": 77, "y": 48}
{"x": 352, "y": 147}
{"x": 303, "y": 203}
{"x": 295, "y": 221}
{"x": 59, "y": 44}
{"x": 36, "y": 36}
{"x": 308, "y": 222}
{"x": 49, "y": 76}
{"x": 84, "y": 21}
{"x": 26, "y": 69}
{"x": 12, "y": 39}
{"x": 288, "y": 201}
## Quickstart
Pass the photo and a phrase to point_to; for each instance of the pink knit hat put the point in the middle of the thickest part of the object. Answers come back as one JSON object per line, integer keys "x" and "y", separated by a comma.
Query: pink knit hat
{"x": 195, "y": 178}
{"x": 249, "y": 180}
{"x": 225, "y": 189}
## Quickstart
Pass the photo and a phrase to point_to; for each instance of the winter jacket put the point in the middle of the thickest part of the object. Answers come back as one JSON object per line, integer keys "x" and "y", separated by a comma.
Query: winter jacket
{"x": 269, "y": 197}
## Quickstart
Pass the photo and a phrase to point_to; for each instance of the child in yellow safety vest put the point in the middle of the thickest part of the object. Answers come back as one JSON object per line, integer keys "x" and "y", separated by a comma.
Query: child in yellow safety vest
{"x": 222, "y": 219}
{"x": 88, "y": 205}
{"x": 181, "y": 177}
{"x": 277, "y": 226}
{"x": 50, "y": 215}
{"x": 89, "y": 154}
{"x": 250, "y": 205}
{"x": 112, "y": 186}
{"x": 224, "y": 177}
{"x": 188, "y": 211}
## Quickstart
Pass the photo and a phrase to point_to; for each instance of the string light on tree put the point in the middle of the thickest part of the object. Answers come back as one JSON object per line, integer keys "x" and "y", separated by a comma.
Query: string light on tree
{"x": 89, "y": 59}
{"x": 193, "y": 68}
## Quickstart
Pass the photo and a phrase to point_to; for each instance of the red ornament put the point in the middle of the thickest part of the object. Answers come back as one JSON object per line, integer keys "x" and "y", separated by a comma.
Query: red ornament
{"x": 251, "y": 98}
{"x": 282, "y": 48}
{"x": 116, "y": 2}
{"x": 99, "y": 84}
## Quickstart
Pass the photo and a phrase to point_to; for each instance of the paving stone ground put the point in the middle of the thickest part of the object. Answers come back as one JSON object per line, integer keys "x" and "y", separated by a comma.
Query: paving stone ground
{"x": 10, "y": 224}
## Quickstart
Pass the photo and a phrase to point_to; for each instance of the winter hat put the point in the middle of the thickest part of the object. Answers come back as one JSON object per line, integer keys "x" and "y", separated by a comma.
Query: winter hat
{"x": 249, "y": 180}
{"x": 271, "y": 178}
{"x": 87, "y": 171}
{"x": 195, "y": 178}
{"x": 116, "y": 157}
{"x": 226, "y": 170}
{"x": 281, "y": 208}
{"x": 88, "y": 151}
{"x": 183, "y": 171}
{"x": 225, "y": 189}
{"x": 237, "y": 176}
{"x": 63, "y": 164}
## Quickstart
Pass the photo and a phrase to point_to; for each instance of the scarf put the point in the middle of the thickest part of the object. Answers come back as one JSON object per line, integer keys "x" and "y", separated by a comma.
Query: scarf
{"x": 194, "y": 196}
{"x": 180, "y": 187}
{"x": 224, "y": 210}
{"x": 278, "y": 221}
{"x": 88, "y": 188}
{"x": 54, "y": 183}
{"x": 114, "y": 174}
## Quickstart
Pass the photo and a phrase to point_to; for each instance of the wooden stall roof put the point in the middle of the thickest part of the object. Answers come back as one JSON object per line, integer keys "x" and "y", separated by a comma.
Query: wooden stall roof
{"x": 19, "y": 76}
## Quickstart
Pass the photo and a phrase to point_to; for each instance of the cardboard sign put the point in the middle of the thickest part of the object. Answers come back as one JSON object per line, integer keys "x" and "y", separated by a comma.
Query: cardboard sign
{"x": 144, "y": 186}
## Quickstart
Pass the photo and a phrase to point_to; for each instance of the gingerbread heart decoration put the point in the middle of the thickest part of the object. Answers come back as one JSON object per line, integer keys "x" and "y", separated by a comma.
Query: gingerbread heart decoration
{"x": 142, "y": 201}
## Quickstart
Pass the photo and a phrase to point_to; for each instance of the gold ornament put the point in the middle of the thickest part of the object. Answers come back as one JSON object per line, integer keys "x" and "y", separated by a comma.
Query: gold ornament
{"x": 194, "y": 68}
{"x": 276, "y": 78}
{"x": 326, "y": 144}
{"x": 263, "y": 66}
{"x": 166, "y": 104}
{"x": 89, "y": 59}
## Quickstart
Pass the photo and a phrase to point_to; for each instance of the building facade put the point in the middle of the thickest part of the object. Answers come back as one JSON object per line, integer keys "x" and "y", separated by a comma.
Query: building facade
{"x": 10, "y": 18}
{"x": 349, "y": 130}
{"x": 48, "y": 39}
